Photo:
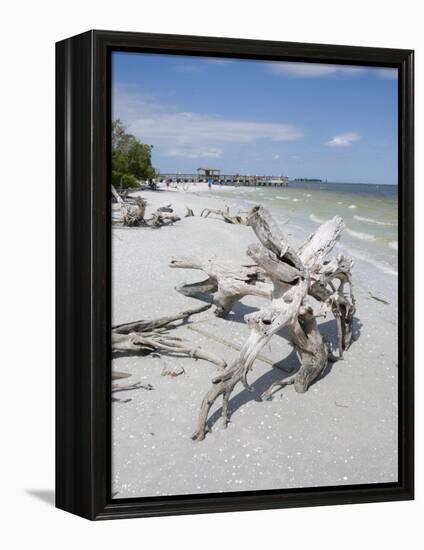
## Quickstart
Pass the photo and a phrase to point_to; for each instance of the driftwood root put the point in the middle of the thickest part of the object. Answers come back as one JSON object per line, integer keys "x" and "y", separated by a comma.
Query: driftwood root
{"x": 294, "y": 276}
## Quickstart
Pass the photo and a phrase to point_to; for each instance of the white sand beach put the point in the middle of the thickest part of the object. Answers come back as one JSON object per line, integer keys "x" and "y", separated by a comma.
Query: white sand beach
{"x": 342, "y": 431}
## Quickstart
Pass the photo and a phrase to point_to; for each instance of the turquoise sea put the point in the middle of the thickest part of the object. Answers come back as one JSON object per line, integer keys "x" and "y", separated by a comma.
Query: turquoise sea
{"x": 369, "y": 211}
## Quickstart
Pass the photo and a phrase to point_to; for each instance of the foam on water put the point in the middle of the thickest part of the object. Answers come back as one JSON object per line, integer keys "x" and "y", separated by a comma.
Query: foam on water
{"x": 361, "y": 236}
{"x": 354, "y": 234}
{"x": 381, "y": 266}
{"x": 371, "y": 220}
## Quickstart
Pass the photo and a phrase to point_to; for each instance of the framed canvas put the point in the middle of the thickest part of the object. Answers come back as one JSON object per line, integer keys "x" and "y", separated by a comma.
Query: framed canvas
{"x": 234, "y": 274}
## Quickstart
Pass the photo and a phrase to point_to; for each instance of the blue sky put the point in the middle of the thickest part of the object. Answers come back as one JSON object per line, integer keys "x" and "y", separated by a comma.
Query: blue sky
{"x": 253, "y": 117}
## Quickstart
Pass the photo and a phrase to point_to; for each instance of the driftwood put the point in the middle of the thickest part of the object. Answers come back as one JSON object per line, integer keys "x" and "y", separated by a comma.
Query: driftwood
{"x": 227, "y": 282}
{"x": 134, "y": 215}
{"x": 378, "y": 299}
{"x": 148, "y": 336}
{"x": 160, "y": 218}
{"x": 120, "y": 388}
{"x": 116, "y": 197}
{"x": 232, "y": 345}
{"x": 304, "y": 285}
{"x": 167, "y": 208}
{"x": 225, "y": 214}
{"x": 133, "y": 212}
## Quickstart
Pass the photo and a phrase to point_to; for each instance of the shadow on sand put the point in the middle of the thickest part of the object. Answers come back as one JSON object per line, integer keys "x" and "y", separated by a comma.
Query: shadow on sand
{"x": 290, "y": 363}
{"x": 259, "y": 386}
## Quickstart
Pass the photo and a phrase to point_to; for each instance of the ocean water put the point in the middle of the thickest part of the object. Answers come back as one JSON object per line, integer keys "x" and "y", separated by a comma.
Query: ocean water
{"x": 370, "y": 213}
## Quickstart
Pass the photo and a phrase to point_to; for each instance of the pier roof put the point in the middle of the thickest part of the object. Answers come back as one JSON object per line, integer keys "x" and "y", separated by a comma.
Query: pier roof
{"x": 206, "y": 169}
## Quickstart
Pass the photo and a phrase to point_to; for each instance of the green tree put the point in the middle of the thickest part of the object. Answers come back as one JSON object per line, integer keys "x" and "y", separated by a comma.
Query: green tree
{"x": 131, "y": 159}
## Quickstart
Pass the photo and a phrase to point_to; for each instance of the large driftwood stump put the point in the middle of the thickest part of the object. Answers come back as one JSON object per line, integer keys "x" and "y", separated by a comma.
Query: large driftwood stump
{"x": 133, "y": 215}
{"x": 305, "y": 284}
{"x": 148, "y": 336}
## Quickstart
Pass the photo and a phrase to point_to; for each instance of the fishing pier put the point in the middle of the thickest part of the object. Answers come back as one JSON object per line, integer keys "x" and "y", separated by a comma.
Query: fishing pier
{"x": 214, "y": 175}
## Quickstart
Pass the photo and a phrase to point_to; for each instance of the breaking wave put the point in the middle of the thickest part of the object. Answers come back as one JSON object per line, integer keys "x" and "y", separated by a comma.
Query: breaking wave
{"x": 371, "y": 220}
{"x": 381, "y": 266}
{"x": 361, "y": 236}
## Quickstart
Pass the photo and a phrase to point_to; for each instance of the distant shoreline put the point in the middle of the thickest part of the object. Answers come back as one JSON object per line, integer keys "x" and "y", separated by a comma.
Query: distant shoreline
{"x": 342, "y": 182}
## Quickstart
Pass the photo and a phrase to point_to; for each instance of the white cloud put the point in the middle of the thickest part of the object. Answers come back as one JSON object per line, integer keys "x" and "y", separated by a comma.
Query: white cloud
{"x": 219, "y": 60}
{"x": 344, "y": 140}
{"x": 174, "y": 132}
{"x": 311, "y": 70}
{"x": 185, "y": 68}
{"x": 385, "y": 72}
{"x": 317, "y": 70}
{"x": 187, "y": 152}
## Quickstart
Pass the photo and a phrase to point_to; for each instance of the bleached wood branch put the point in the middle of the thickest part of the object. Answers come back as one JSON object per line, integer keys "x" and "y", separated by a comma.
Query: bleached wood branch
{"x": 228, "y": 282}
{"x": 225, "y": 214}
{"x": 147, "y": 336}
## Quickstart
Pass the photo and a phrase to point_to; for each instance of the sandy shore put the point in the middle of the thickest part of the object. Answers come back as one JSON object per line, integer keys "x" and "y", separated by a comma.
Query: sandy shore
{"x": 342, "y": 431}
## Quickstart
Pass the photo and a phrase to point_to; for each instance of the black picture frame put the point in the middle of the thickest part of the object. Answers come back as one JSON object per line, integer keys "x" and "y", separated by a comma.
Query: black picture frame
{"x": 83, "y": 437}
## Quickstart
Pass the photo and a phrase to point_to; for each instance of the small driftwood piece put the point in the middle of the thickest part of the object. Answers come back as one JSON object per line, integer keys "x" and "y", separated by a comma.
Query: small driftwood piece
{"x": 119, "y": 388}
{"x": 225, "y": 214}
{"x": 151, "y": 336}
{"x": 296, "y": 276}
{"x": 116, "y": 197}
{"x": 228, "y": 283}
{"x": 160, "y": 218}
{"x": 167, "y": 208}
{"x": 379, "y": 299}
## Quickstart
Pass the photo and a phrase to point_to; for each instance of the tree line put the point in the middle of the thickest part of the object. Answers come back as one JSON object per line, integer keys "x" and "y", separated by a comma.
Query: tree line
{"x": 131, "y": 159}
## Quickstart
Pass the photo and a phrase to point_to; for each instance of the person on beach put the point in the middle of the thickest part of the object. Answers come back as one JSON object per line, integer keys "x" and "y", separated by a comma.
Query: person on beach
{"x": 210, "y": 183}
